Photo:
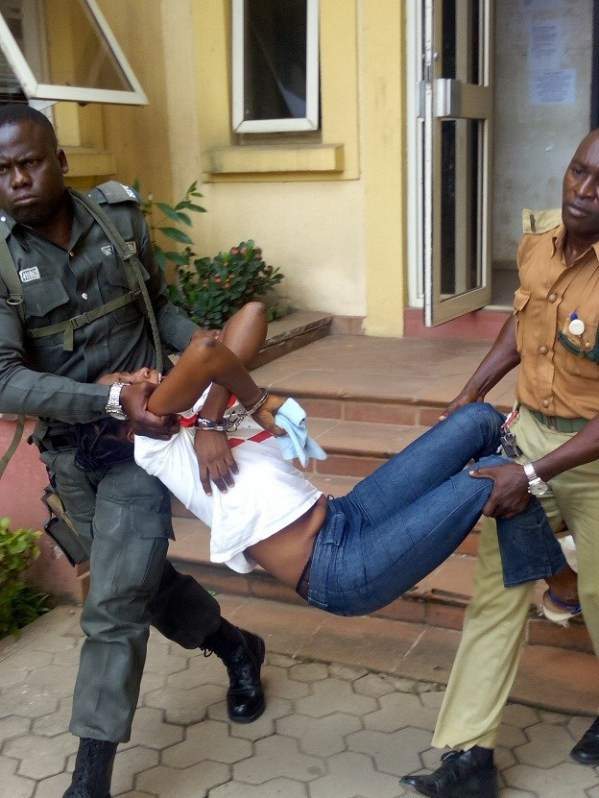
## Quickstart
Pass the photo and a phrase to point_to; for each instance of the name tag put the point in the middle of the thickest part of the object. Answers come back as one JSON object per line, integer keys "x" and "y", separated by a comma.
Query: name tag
{"x": 28, "y": 275}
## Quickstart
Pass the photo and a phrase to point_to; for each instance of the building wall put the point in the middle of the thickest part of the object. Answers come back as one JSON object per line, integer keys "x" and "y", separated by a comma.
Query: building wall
{"x": 333, "y": 224}
{"x": 534, "y": 143}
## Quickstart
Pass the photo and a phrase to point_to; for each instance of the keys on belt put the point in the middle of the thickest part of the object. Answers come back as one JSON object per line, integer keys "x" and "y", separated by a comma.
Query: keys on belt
{"x": 507, "y": 438}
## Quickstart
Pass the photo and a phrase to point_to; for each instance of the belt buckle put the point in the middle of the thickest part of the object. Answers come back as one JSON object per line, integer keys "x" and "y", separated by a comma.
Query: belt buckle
{"x": 552, "y": 422}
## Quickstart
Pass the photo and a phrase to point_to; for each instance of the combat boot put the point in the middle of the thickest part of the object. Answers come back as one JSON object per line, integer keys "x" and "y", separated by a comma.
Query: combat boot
{"x": 243, "y": 654}
{"x": 462, "y": 774}
{"x": 93, "y": 769}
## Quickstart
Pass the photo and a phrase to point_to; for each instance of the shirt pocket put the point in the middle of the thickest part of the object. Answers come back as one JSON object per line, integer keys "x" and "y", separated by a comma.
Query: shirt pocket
{"x": 521, "y": 298}
{"x": 581, "y": 352}
{"x": 116, "y": 279}
{"x": 42, "y": 298}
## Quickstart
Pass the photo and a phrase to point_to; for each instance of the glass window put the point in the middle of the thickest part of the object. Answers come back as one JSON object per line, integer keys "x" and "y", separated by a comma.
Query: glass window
{"x": 275, "y": 65}
{"x": 62, "y": 50}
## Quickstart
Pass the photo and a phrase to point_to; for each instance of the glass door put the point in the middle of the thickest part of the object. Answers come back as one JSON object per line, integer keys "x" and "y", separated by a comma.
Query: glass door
{"x": 456, "y": 104}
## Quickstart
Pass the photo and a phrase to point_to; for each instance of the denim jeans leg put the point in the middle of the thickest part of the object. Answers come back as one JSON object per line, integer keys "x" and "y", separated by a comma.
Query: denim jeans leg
{"x": 528, "y": 547}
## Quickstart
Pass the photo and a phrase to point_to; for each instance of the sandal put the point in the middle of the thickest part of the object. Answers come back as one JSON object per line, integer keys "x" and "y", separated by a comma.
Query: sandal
{"x": 557, "y": 610}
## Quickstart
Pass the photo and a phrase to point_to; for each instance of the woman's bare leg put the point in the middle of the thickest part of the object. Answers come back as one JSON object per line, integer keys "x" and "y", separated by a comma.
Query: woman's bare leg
{"x": 207, "y": 360}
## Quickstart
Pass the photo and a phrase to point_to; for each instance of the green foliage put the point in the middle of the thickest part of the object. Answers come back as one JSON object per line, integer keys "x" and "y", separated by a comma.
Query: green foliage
{"x": 213, "y": 289}
{"x": 210, "y": 290}
{"x": 19, "y": 604}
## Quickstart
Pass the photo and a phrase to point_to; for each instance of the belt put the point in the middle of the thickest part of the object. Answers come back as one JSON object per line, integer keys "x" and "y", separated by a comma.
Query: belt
{"x": 558, "y": 423}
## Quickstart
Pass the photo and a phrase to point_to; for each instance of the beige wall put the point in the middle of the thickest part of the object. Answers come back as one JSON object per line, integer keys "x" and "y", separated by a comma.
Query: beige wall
{"x": 337, "y": 234}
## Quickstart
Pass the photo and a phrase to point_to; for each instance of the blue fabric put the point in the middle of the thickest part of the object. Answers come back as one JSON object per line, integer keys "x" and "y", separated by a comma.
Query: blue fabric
{"x": 405, "y": 519}
{"x": 297, "y": 443}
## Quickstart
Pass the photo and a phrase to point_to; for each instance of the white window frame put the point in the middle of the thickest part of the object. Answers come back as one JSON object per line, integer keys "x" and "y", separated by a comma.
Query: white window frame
{"x": 46, "y": 91}
{"x": 311, "y": 120}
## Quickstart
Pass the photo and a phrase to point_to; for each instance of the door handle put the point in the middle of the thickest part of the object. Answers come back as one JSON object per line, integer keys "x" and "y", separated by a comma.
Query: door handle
{"x": 454, "y": 99}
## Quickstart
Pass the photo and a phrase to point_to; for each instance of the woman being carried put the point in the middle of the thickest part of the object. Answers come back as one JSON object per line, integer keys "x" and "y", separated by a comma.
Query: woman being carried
{"x": 350, "y": 555}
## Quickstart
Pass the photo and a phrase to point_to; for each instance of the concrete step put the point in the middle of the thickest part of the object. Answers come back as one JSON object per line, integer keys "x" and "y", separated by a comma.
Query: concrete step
{"x": 439, "y": 600}
{"x": 380, "y": 380}
{"x": 297, "y": 329}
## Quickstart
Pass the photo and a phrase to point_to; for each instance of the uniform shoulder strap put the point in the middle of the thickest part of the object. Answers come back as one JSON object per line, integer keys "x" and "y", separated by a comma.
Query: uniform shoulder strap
{"x": 130, "y": 262}
{"x": 8, "y": 273}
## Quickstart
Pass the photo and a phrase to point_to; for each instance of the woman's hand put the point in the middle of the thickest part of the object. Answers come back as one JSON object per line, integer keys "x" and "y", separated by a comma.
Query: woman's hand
{"x": 265, "y": 416}
{"x": 216, "y": 462}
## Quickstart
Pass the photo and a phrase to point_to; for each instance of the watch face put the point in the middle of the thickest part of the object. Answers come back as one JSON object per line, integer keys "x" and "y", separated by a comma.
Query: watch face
{"x": 542, "y": 489}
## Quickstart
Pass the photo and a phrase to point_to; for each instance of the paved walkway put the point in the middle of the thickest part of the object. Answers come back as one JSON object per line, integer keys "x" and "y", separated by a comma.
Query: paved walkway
{"x": 330, "y": 731}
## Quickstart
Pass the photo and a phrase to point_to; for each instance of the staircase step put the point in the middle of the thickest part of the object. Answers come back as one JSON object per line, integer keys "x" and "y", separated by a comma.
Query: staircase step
{"x": 381, "y": 380}
{"x": 439, "y": 600}
{"x": 293, "y": 331}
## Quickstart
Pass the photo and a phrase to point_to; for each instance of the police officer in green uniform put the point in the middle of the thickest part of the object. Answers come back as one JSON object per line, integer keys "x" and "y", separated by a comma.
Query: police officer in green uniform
{"x": 74, "y": 273}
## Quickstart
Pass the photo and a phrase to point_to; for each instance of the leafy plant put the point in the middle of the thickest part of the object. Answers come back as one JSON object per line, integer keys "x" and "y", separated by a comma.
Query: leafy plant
{"x": 214, "y": 288}
{"x": 19, "y": 604}
{"x": 210, "y": 290}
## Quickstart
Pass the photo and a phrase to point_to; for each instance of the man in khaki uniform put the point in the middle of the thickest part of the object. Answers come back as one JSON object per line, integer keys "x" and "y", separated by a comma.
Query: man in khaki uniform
{"x": 553, "y": 334}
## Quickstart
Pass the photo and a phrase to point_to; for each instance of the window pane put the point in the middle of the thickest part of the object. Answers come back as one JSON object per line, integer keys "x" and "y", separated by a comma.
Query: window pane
{"x": 275, "y": 59}
{"x": 63, "y": 44}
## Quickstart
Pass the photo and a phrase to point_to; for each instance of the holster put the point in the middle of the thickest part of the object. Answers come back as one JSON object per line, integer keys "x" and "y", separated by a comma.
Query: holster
{"x": 61, "y": 529}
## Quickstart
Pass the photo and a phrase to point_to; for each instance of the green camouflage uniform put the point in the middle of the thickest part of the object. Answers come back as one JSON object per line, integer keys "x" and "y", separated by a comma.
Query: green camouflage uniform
{"x": 121, "y": 513}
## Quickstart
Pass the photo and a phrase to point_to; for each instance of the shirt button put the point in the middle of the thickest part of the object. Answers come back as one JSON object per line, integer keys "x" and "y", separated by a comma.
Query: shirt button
{"x": 84, "y": 295}
{"x": 552, "y": 297}
{"x": 2, "y": 218}
{"x": 543, "y": 350}
{"x": 71, "y": 253}
{"x": 546, "y": 402}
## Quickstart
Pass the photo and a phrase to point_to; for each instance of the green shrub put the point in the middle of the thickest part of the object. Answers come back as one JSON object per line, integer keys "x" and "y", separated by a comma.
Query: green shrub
{"x": 210, "y": 290}
{"x": 19, "y": 604}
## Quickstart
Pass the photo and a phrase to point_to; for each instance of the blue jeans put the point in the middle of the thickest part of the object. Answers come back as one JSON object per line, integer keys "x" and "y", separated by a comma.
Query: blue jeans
{"x": 405, "y": 519}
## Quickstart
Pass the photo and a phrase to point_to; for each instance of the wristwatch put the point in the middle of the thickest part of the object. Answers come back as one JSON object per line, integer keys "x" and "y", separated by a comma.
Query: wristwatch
{"x": 113, "y": 405}
{"x": 536, "y": 486}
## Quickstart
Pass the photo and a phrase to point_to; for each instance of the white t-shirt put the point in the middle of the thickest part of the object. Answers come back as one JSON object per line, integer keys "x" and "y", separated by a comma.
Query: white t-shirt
{"x": 269, "y": 492}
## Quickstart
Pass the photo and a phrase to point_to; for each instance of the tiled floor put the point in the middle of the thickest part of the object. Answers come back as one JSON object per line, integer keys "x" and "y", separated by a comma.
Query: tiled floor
{"x": 330, "y": 730}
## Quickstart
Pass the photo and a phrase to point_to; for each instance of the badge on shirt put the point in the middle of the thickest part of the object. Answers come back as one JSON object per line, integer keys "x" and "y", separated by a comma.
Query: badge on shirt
{"x": 106, "y": 250}
{"x": 132, "y": 246}
{"x": 29, "y": 275}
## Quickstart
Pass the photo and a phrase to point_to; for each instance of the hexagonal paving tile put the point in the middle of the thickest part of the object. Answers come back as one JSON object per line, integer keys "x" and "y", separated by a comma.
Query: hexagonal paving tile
{"x": 519, "y": 715}
{"x": 263, "y": 727}
{"x": 207, "y": 740}
{"x": 201, "y": 670}
{"x": 278, "y": 757}
{"x": 309, "y": 672}
{"x": 375, "y": 685}
{"x": 41, "y": 756}
{"x": 160, "y": 661}
{"x": 188, "y": 783}
{"x": 549, "y": 745}
{"x": 27, "y": 701}
{"x": 399, "y": 710}
{"x": 13, "y": 727}
{"x": 58, "y": 680}
{"x": 184, "y": 706}
{"x": 277, "y": 683}
{"x": 128, "y": 764}
{"x": 396, "y": 753}
{"x": 347, "y": 672}
{"x": 54, "y": 787}
{"x": 352, "y": 775}
{"x": 334, "y": 695}
{"x": 57, "y": 722}
{"x": 13, "y": 785}
{"x": 150, "y": 730}
{"x": 277, "y": 788}
{"x": 15, "y": 667}
{"x": 551, "y": 782}
{"x": 319, "y": 736}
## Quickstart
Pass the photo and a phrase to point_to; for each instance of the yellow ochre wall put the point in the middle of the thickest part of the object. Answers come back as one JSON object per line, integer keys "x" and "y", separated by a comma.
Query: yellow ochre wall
{"x": 329, "y": 210}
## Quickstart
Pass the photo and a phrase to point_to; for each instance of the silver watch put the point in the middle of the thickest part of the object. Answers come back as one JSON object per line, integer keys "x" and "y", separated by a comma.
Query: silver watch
{"x": 113, "y": 405}
{"x": 536, "y": 486}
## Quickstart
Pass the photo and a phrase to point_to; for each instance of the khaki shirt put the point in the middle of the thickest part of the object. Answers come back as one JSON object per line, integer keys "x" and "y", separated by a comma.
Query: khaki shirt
{"x": 559, "y": 371}
{"x": 37, "y": 376}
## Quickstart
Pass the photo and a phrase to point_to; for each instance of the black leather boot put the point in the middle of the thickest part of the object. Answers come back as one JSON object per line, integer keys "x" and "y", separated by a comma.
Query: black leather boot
{"x": 586, "y": 750}
{"x": 462, "y": 774}
{"x": 243, "y": 654}
{"x": 93, "y": 769}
